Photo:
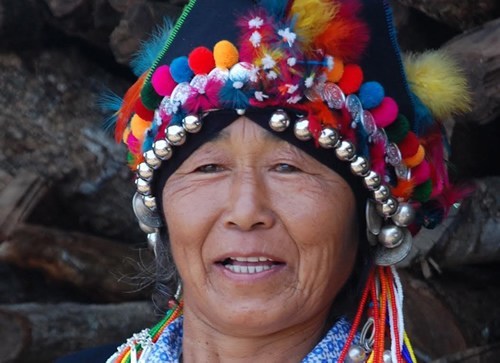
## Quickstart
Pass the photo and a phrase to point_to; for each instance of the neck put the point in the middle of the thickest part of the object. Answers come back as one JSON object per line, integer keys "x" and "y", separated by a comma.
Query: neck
{"x": 205, "y": 343}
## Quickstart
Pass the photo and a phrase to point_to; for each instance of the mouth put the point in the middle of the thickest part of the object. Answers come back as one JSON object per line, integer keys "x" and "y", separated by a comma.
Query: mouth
{"x": 249, "y": 265}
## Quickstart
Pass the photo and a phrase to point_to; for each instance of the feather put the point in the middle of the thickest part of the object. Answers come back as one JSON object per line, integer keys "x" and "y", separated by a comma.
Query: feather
{"x": 127, "y": 108}
{"x": 377, "y": 157}
{"x": 438, "y": 82}
{"x": 403, "y": 189}
{"x": 232, "y": 97}
{"x": 150, "y": 49}
{"x": 312, "y": 17}
{"x": 276, "y": 8}
{"x": 109, "y": 102}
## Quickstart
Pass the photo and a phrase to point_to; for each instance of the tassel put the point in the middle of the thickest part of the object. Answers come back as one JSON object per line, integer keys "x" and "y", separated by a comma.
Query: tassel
{"x": 312, "y": 17}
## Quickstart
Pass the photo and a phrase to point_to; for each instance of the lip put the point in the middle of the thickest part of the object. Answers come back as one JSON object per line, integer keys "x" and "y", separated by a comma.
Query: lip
{"x": 277, "y": 263}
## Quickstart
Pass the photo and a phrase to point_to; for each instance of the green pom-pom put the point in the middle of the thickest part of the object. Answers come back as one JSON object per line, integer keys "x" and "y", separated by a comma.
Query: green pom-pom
{"x": 398, "y": 130}
{"x": 423, "y": 192}
{"x": 150, "y": 99}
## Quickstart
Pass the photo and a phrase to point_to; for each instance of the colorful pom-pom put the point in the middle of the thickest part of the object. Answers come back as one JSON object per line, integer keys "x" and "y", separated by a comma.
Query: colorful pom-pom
{"x": 138, "y": 126}
{"x": 201, "y": 60}
{"x": 225, "y": 54}
{"x": 421, "y": 172}
{"x": 403, "y": 189}
{"x": 150, "y": 99}
{"x": 397, "y": 131}
{"x": 125, "y": 135}
{"x": 335, "y": 74}
{"x": 351, "y": 79}
{"x": 386, "y": 113}
{"x": 423, "y": 191}
{"x": 371, "y": 94}
{"x": 162, "y": 81}
{"x": 142, "y": 111}
{"x": 416, "y": 159}
{"x": 180, "y": 71}
{"x": 409, "y": 145}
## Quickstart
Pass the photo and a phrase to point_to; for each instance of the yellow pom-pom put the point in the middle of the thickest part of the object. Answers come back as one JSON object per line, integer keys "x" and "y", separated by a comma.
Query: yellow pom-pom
{"x": 225, "y": 54}
{"x": 337, "y": 71}
{"x": 138, "y": 126}
{"x": 439, "y": 83}
{"x": 312, "y": 17}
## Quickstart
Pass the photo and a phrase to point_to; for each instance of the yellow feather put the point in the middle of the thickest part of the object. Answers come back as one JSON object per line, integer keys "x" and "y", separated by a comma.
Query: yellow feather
{"x": 312, "y": 17}
{"x": 439, "y": 82}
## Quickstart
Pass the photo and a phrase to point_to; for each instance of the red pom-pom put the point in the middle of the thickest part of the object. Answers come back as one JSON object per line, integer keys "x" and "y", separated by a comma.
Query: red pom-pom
{"x": 143, "y": 112}
{"x": 201, "y": 60}
{"x": 409, "y": 145}
{"x": 351, "y": 79}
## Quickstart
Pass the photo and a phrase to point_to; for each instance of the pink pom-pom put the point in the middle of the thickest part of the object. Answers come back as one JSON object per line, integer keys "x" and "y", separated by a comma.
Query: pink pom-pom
{"x": 386, "y": 113}
{"x": 377, "y": 157}
{"x": 421, "y": 172}
{"x": 162, "y": 81}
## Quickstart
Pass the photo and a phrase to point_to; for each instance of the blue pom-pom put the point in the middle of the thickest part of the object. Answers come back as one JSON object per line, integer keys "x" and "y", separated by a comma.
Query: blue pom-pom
{"x": 180, "y": 71}
{"x": 371, "y": 94}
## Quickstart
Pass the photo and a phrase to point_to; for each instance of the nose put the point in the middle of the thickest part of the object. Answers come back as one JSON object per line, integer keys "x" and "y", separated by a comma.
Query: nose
{"x": 248, "y": 205}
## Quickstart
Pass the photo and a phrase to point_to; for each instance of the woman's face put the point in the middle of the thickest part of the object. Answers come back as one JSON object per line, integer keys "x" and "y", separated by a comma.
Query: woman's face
{"x": 262, "y": 234}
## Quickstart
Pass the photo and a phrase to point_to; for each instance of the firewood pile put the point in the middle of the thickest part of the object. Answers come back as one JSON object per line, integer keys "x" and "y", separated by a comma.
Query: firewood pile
{"x": 74, "y": 268}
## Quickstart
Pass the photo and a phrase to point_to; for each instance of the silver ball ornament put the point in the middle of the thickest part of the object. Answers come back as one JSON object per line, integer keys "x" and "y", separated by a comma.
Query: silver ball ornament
{"x": 162, "y": 149}
{"x": 381, "y": 193}
{"x": 356, "y": 354}
{"x": 151, "y": 159}
{"x": 386, "y": 356}
{"x": 143, "y": 186}
{"x": 145, "y": 171}
{"x": 279, "y": 121}
{"x": 149, "y": 201}
{"x": 192, "y": 123}
{"x": 176, "y": 135}
{"x": 301, "y": 129}
{"x": 404, "y": 216}
{"x": 345, "y": 151}
{"x": 390, "y": 236}
{"x": 388, "y": 207}
{"x": 372, "y": 180}
{"x": 240, "y": 111}
{"x": 328, "y": 138}
{"x": 360, "y": 166}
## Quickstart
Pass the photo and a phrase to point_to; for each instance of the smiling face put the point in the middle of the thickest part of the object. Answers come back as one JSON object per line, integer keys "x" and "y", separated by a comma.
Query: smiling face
{"x": 263, "y": 235}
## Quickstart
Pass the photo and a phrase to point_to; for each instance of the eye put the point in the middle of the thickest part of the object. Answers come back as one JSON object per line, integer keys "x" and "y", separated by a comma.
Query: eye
{"x": 285, "y": 168}
{"x": 209, "y": 168}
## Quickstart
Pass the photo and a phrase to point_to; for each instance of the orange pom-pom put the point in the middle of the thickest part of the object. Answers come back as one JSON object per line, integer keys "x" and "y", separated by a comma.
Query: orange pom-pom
{"x": 225, "y": 54}
{"x": 138, "y": 126}
{"x": 201, "y": 60}
{"x": 404, "y": 189}
{"x": 337, "y": 71}
{"x": 351, "y": 79}
{"x": 416, "y": 159}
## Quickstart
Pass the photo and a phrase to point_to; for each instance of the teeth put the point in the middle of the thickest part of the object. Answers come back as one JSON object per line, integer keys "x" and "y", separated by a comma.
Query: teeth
{"x": 247, "y": 269}
{"x": 251, "y": 259}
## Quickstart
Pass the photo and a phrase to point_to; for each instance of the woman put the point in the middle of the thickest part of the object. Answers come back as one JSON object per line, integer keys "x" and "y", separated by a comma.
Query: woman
{"x": 284, "y": 159}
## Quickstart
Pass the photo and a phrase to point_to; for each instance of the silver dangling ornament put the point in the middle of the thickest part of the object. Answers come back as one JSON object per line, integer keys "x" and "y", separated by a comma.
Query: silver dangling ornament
{"x": 143, "y": 186}
{"x": 356, "y": 354}
{"x": 162, "y": 149}
{"x": 389, "y": 256}
{"x": 345, "y": 151}
{"x": 386, "y": 356}
{"x": 192, "y": 123}
{"x": 153, "y": 240}
{"x": 145, "y": 171}
{"x": 328, "y": 138}
{"x": 373, "y": 220}
{"x": 279, "y": 121}
{"x": 382, "y": 193}
{"x": 176, "y": 135}
{"x": 360, "y": 166}
{"x": 390, "y": 236}
{"x": 301, "y": 129}
{"x": 151, "y": 159}
{"x": 372, "y": 180}
{"x": 145, "y": 215}
{"x": 388, "y": 207}
{"x": 404, "y": 216}
{"x": 149, "y": 201}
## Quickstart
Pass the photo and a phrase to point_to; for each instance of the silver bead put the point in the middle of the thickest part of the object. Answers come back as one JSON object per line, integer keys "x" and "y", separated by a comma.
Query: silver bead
{"x": 381, "y": 193}
{"x": 145, "y": 171}
{"x": 328, "y": 138}
{"x": 279, "y": 121}
{"x": 356, "y": 354}
{"x": 240, "y": 111}
{"x": 345, "y": 151}
{"x": 151, "y": 159}
{"x": 176, "y": 135}
{"x": 191, "y": 123}
{"x": 143, "y": 186}
{"x": 404, "y": 216}
{"x": 360, "y": 166}
{"x": 390, "y": 236}
{"x": 150, "y": 202}
{"x": 372, "y": 180}
{"x": 390, "y": 256}
{"x": 162, "y": 149}
{"x": 301, "y": 129}
{"x": 388, "y": 207}
{"x": 386, "y": 356}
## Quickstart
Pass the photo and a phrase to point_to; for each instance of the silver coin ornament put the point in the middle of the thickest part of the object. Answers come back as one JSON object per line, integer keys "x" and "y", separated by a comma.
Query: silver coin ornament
{"x": 192, "y": 123}
{"x": 144, "y": 214}
{"x": 368, "y": 122}
{"x": 393, "y": 155}
{"x": 150, "y": 202}
{"x": 345, "y": 151}
{"x": 151, "y": 159}
{"x": 333, "y": 95}
{"x": 145, "y": 171}
{"x": 176, "y": 135}
{"x": 162, "y": 149}
{"x": 372, "y": 180}
{"x": 301, "y": 129}
{"x": 381, "y": 193}
{"x": 279, "y": 121}
{"x": 360, "y": 166}
{"x": 404, "y": 216}
{"x": 353, "y": 105}
{"x": 402, "y": 171}
{"x": 388, "y": 207}
{"x": 143, "y": 186}
{"x": 356, "y": 354}
{"x": 328, "y": 138}
{"x": 389, "y": 256}
{"x": 390, "y": 236}
{"x": 373, "y": 220}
